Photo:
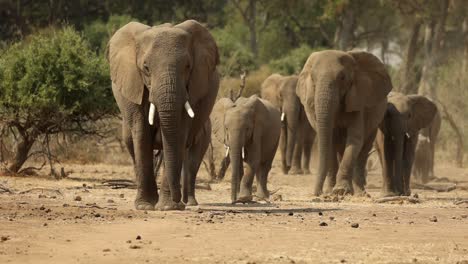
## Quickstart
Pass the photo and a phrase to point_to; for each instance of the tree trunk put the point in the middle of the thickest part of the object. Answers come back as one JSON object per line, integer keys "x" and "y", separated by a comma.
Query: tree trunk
{"x": 459, "y": 134}
{"x": 252, "y": 27}
{"x": 21, "y": 151}
{"x": 408, "y": 85}
{"x": 433, "y": 46}
{"x": 344, "y": 34}
{"x": 465, "y": 49}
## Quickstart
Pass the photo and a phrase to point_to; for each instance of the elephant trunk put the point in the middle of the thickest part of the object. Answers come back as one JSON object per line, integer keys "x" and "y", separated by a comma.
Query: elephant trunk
{"x": 398, "y": 178}
{"x": 326, "y": 104}
{"x": 169, "y": 99}
{"x": 237, "y": 170}
{"x": 291, "y": 128}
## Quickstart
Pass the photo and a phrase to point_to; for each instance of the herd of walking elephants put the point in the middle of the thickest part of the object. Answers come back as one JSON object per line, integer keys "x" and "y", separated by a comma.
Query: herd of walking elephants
{"x": 165, "y": 82}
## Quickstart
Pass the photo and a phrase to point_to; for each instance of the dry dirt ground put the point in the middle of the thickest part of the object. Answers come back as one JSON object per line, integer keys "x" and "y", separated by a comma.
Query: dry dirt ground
{"x": 53, "y": 225}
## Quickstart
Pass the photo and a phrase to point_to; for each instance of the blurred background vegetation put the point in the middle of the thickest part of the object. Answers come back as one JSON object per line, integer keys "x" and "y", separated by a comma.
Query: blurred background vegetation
{"x": 424, "y": 43}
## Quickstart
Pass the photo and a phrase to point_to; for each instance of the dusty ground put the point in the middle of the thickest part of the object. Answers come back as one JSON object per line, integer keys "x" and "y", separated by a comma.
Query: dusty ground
{"x": 48, "y": 226}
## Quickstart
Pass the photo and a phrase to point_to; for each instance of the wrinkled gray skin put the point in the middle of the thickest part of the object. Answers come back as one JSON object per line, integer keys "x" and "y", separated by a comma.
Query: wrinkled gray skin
{"x": 253, "y": 124}
{"x": 423, "y": 168}
{"x": 344, "y": 97}
{"x": 297, "y": 136}
{"x": 167, "y": 66}
{"x": 191, "y": 164}
{"x": 396, "y": 141}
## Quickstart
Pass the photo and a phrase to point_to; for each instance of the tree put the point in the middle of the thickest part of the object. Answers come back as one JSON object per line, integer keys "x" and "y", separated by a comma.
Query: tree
{"x": 51, "y": 83}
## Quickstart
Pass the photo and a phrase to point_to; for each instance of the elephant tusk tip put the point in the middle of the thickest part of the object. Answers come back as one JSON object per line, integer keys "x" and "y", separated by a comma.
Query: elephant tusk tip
{"x": 189, "y": 110}
{"x": 282, "y": 116}
{"x": 151, "y": 114}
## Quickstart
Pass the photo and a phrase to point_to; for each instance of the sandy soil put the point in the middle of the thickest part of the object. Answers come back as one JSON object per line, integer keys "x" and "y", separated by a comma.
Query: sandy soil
{"x": 52, "y": 225}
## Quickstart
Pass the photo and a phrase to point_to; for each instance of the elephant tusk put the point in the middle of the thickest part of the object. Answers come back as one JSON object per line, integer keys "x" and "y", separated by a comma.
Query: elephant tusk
{"x": 407, "y": 135}
{"x": 151, "y": 114}
{"x": 282, "y": 116}
{"x": 227, "y": 151}
{"x": 189, "y": 109}
{"x": 243, "y": 153}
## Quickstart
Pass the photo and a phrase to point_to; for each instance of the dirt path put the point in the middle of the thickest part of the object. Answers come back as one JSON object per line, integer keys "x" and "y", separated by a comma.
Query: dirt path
{"x": 45, "y": 226}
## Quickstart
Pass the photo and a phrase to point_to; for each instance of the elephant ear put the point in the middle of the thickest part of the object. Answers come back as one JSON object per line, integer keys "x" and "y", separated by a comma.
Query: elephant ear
{"x": 217, "y": 118}
{"x": 371, "y": 82}
{"x": 305, "y": 87}
{"x": 423, "y": 112}
{"x": 121, "y": 54}
{"x": 270, "y": 89}
{"x": 205, "y": 58}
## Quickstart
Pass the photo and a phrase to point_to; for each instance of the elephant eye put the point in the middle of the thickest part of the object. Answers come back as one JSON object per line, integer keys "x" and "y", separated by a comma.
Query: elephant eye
{"x": 145, "y": 67}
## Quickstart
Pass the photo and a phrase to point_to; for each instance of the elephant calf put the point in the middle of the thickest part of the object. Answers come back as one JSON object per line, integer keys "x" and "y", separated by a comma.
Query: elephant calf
{"x": 397, "y": 137}
{"x": 250, "y": 130}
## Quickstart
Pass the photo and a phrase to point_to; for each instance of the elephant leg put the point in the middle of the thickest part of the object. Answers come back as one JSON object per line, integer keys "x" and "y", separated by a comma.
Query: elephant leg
{"x": 331, "y": 176}
{"x": 283, "y": 148}
{"x": 245, "y": 194}
{"x": 408, "y": 159}
{"x": 262, "y": 180}
{"x": 307, "y": 150}
{"x": 359, "y": 175}
{"x": 193, "y": 162}
{"x": 386, "y": 162}
{"x": 147, "y": 195}
{"x": 296, "y": 160}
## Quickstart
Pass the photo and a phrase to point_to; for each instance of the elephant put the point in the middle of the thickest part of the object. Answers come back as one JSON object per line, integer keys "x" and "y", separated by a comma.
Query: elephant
{"x": 250, "y": 129}
{"x": 165, "y": 82}
{"x": 423, "y": 168}
{"x": 344, "y": 95}
{"x": 396, "y": 140}
{"x": 297, "y": 136}
{"x": 191, "y": 164}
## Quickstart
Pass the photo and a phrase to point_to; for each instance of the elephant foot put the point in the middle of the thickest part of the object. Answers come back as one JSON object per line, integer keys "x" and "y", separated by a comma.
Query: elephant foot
{"x": 285, "y": 169}
{"x": 191, "y": 201}
{"x": 342, "y": 189}
{"x": 359, "y": 190}
{"x": 262, "y": 195}
{"x": 244, "y": 199}
{"x": 388, "y": 193}
{"x": 170, "y": 205}
{"x": 295, "y": 170}
{"x": 307, "y": 171}
{"x": 145, "y": 201}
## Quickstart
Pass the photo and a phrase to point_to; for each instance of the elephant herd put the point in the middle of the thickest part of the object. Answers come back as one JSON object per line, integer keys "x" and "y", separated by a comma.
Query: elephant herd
{"x": 165, "y": 82}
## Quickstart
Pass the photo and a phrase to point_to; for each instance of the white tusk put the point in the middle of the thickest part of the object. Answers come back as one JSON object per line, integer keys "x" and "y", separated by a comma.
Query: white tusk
{"x": 227, "y": 151}
{"x": 189, "y": 110}
{"x": 151, "y": 114}
{"x": 407, "y": 135}
{"x": 243, "y": 153}
{"x": 282, "y": 116}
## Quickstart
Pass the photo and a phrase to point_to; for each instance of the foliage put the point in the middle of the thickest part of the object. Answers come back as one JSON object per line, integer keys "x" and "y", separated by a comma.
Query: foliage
{"x": 99, "y": 32}
{"x": 292, "y": 62}
{"x": 52, "y": 83}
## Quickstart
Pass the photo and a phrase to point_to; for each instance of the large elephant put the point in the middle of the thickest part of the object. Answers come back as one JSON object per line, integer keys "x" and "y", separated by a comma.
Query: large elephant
{"x": 297, "y": 136}
{"x": 250, "y": 130}
{"x": 423, "y": 169}
{"x": 156, "y": 72}
{"x": 397, "y": 138}
{"x": 344, "y": 97}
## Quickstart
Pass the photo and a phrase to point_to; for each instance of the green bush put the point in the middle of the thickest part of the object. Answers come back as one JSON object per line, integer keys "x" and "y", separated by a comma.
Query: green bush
{"x": 99, "y": 32}
{"x": 293, "y": 62}
{"x": 52, "y": 83}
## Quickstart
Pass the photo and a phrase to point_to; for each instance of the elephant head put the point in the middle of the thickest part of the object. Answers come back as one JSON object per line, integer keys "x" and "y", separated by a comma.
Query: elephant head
{"x": 333, "y": 85}
{"x": 281, "y": 92}
{"x": 405, "y": 116}
{"x": 234, "y": 124}
{"x": 177, "y": 67}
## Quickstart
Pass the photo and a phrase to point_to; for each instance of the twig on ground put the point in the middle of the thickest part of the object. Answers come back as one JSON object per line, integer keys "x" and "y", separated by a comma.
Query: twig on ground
{"x": 435, "y": 188}
{"x": 42, "y": 190}
{"x": 4, "y": 189}
{"x": 397, "y": 199}
{"x": 205, "y": 186}
{"x": 461, "y": 202}
{"x": 119, "y": 184}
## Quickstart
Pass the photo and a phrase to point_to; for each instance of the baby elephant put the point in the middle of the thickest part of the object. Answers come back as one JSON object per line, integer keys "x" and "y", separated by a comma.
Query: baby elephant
{"x": 250, "y": 130}
{"x": 397, "y": 137}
